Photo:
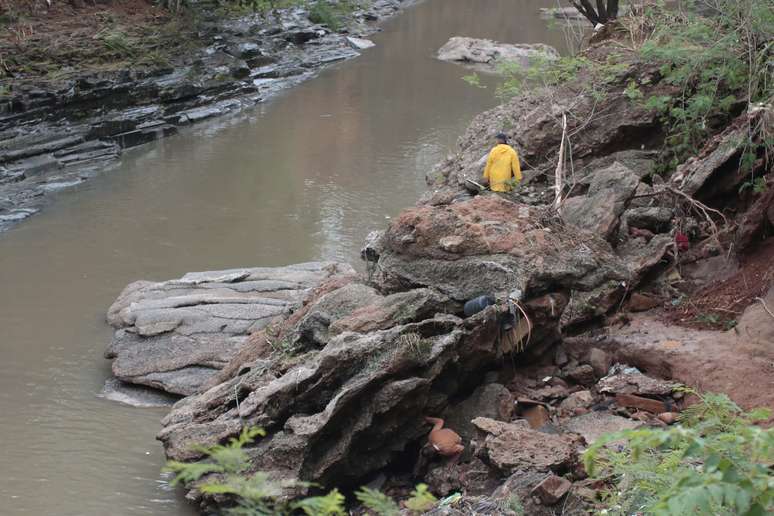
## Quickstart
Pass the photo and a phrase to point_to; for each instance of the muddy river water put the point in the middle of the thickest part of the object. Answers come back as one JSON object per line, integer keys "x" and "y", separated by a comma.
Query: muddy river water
{"x": 303, "y": 177}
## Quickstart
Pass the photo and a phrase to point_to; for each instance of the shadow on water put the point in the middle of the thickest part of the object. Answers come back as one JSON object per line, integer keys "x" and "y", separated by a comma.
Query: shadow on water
{"x": 304, "y": 177}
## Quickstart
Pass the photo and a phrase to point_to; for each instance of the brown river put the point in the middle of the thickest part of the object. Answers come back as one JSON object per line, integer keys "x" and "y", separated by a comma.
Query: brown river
{"x": 304, "y": 176}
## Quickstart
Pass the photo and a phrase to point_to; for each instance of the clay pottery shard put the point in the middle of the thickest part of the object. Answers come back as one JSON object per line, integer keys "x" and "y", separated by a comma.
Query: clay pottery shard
{"x": 537, "y": 416}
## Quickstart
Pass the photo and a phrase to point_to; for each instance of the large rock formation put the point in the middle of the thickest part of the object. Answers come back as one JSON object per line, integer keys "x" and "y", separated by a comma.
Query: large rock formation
{"x": 342, "y": 389}
{"x": 533, "y": 124}
{"x": 173, "y": 335}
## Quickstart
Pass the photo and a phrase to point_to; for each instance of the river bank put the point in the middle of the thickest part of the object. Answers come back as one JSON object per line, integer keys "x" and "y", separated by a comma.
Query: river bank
{"x": 68, "y": 116}
{"x": 302, "y": 177}
{"x": 585, "y": 312}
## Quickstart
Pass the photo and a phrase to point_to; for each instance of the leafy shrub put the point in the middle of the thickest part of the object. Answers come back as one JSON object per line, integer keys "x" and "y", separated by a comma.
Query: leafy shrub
{"x": 719, "y": 53}
{"x": 255, "y": 494}
{"x": 332, "y": 15}
{"x": 716, "y": 461}
{"x": 377, "y": 502}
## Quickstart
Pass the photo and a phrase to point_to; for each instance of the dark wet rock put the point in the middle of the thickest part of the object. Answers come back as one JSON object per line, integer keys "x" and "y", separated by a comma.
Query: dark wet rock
{"x": 175, "y": 334}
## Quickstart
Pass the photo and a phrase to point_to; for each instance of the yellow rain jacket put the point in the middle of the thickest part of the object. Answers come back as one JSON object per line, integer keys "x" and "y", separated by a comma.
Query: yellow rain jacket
{"x": 502, "y": 164}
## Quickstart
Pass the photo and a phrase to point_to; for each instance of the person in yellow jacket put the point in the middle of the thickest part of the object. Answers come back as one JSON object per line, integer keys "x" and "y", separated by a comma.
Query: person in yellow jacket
{"x": 502, "y": 165}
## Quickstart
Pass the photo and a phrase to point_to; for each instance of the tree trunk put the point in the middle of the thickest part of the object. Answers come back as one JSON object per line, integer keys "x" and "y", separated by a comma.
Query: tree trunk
{"x": 586, "y": 9}
{"x": 612, "y": 9}
{"x": 605, "y": 10}
{"x": 601, "y": 11}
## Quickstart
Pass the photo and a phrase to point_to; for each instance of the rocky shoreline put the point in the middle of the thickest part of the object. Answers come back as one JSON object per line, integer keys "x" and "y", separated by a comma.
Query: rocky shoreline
{"x": 591, "y": 329}
{"x": 58, "y": 135}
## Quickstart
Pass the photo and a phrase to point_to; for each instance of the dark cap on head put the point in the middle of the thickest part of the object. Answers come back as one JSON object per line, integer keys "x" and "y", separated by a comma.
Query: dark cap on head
{"x": 502, "y": 137}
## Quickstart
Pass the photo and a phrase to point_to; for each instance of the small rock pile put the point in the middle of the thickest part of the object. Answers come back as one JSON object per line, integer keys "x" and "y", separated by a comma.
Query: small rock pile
{"x": 530, "y": 434}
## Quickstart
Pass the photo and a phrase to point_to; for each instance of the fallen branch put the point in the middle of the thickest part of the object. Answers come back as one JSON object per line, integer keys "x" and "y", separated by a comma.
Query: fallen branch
{"x": 559, "y": 173}
{"x": 763, "y": 303}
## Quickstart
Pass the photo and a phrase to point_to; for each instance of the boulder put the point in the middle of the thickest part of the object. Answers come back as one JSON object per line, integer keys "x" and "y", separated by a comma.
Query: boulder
{"x": 313, "y": 329}
{"x": 594, "y": 425}
{"x": 631, "y": 381}
{"x": 173, "y": 335}
{"x": 600, "y": 360}
{"x": 487, "y": 55}
{"x": 551, "y": 489}
{"x": 575, "y": 401}
{"x": 510, "y": 447}
{"x": 582, "y": 374}
{"x": 505, "y": 247}
{"x": 387, "y": 311}
{"x": 360, "y": 43}
{"x": 492, "y": 401}
{"x": 599, "y": 210}
{"x": 337, "y": 414}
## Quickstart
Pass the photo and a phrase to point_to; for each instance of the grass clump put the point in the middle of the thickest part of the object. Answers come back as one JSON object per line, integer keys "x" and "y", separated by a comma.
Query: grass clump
{"x": 716, "y": 461}
{"x": 332, "y": 14}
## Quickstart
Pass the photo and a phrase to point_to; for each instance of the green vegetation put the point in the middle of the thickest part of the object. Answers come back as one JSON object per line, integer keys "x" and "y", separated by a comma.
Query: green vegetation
{"x": 720, "y": 62}
{"x": 716, "y": 461}
{"x": 332, "y": 14}
{"x": 718, "y": 55}
{"x": 226, "y": 470}
{"x": 116, "y": 42}
{"x": 546, "y": 72}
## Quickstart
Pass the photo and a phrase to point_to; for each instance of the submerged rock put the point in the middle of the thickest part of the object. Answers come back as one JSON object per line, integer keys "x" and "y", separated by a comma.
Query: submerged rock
{"x": 174, "y": 335}
{"x": 488, "y": 55}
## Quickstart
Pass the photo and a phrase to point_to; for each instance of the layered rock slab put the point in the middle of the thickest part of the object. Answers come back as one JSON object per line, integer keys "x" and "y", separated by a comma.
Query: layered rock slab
{"x": 174, "y": 335}
{"x": 346, "y": 410}
{"x": 489, "y": 245}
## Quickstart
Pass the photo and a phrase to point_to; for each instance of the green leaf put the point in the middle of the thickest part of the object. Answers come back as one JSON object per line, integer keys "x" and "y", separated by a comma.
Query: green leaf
{"x": 377, "y": 501}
